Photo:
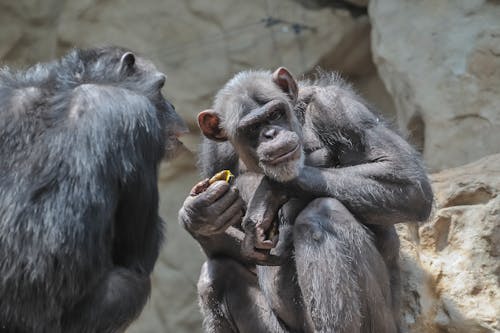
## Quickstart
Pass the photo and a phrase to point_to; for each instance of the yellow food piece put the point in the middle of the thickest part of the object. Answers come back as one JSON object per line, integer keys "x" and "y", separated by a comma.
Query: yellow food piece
{"x": 224, "y": 175}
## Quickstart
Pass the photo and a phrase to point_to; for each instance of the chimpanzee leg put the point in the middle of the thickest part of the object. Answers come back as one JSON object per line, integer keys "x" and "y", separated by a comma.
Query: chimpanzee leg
{"x": 343, "y": 278}
{"x": 387, "y": 243}
{"x": 231, "y": 300}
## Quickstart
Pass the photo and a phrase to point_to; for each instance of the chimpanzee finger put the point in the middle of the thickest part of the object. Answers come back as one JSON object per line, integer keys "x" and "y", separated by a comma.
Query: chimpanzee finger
{"x": 225, "y": 201}
{"x": 200, "y": 187}
{"x": 265, "y": 244}
{"x": 260, "y": 240}
{"x": 232, "y": 221}
{"x": 229, "y": 213}
{"x": 260, "y": 257}
{"x": 270, "y": 260}
{"x": 275, "y": 240}
{"x": 263, "y": 258}
{"x": 213, "y": 193}
{"x": 247, "y": 248}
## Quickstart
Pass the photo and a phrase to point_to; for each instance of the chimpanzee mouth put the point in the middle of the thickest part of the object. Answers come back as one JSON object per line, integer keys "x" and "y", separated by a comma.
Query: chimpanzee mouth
{"x": 177, "y": 142}
{"x": 290, "y": 155}
{"x": 174, "y": 147}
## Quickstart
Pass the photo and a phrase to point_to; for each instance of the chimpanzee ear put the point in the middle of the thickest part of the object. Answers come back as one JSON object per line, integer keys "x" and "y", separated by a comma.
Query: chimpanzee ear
{"x": 285, "y": 80}
{"x": 127, "y": 61}
{"x": 209, "y": 123}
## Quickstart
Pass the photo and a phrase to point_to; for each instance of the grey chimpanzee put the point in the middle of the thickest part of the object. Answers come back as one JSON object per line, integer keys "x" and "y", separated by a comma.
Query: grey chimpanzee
{"x": 348, "y": 179}
{"x": 81, "y": 140}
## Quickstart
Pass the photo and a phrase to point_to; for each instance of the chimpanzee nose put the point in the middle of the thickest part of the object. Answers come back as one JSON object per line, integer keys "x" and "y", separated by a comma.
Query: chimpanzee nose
{"x": 269, "y": 133}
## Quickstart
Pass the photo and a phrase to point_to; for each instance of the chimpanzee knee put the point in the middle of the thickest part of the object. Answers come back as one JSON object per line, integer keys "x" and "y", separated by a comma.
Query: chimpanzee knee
{"x": 340, "y": 271}
{"x": 223, "y": 275}
{"x": 211, "y": 279}
{"x": 324, "y": 216}
{"x": 212, "y": 290}
{"x": 228, "y": 291}
{"x": 231, "y": 300}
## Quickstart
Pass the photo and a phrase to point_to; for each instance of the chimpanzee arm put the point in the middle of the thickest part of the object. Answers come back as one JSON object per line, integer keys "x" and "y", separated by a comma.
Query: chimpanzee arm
{"x": 122, "y": 142}
{"x": 369, "y": 192}
{"x": 116, "y": 301}
{"x": 126, "y": 131}
{"x": 380, "y": 177}
{"x": 118, "y": 298}
{"x": 138, "y": 233}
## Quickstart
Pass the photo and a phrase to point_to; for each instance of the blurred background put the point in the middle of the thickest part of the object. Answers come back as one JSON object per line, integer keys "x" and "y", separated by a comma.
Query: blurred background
{"x": 432, "y": 67}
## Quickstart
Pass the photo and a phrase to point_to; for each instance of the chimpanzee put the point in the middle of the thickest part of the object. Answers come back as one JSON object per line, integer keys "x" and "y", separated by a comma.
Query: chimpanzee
{"x": 347, "y": 178}
{"x": 81, "y": 140}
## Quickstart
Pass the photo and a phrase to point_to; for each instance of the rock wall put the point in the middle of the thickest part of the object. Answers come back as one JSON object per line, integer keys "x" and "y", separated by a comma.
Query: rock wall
{"x": 29, "y": 30}
{"x": 440, "y": 61}
{"x": 451, "y": 265}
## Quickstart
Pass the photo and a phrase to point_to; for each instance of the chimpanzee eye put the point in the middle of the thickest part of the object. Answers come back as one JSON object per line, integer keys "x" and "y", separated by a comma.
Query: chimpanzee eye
{"x": 253, "y": 129}
{"x": 275, "y": 115}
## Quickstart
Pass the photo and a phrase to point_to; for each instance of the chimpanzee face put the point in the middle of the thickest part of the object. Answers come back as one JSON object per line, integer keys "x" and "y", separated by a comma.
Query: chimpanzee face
{"x": 254, "y": 111}
{"x": 268, "y": 134}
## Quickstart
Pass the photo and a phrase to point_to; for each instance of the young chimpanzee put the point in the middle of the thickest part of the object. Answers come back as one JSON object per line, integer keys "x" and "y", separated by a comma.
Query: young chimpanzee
{"x": 348, "y": 179}
{"x": 81, "y": 140}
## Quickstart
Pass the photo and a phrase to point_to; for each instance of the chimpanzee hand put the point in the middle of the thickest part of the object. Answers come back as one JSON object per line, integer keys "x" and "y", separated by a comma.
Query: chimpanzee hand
{"x": 213, "y": 210}
{"x": 261, "y": 224}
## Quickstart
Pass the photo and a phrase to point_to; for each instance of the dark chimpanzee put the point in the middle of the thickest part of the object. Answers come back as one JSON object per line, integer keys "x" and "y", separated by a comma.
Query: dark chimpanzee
{"x": 348, "y": 179}
{"x": 81, "y": 140}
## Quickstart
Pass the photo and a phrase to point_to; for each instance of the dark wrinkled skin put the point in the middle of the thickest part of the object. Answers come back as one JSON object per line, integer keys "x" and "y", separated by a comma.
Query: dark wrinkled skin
{"x": 81, "y": 140}
{"x": 337, "y": 252}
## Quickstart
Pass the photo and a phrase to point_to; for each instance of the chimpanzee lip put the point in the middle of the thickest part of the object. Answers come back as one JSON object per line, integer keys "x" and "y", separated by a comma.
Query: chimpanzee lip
{"x": 173, "y": 148}
{"x": 292, "y": 154}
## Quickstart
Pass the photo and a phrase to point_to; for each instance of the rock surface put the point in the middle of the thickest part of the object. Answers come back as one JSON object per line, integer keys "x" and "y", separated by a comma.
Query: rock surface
{"x": 29, "y": 30}
{"x": 451, "y": 265}
{"x": 440, "y": 61}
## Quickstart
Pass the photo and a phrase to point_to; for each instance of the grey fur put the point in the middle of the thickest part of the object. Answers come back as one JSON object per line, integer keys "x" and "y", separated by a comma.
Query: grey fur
{"x": 81, "y": 139}
{"x": 340, "y": 272}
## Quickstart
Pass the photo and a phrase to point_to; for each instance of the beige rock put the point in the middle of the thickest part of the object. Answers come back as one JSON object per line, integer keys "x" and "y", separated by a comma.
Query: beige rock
{"x": 352, "y": 57}
{"x": 360, "y": 3}
{"x": 451, "y": 265}
{"x": 354, "y": 4}
{"x": 28, "y": 30}
{"x": 440, "y": 60}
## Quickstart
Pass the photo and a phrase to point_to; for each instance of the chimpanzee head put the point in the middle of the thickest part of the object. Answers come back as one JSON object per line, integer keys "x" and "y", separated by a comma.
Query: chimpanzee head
{"x": 119, "y": 67}
{"x": 254, "y": 111}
